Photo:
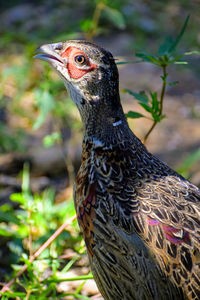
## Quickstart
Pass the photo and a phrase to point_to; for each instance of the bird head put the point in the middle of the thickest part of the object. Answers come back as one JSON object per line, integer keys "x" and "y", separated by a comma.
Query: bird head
{"x": 89, "y": 72}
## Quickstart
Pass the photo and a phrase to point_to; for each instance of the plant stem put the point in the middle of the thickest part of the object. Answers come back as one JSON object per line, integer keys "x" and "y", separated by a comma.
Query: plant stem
{"x": 162, "y": 94}
{"x": 28, "y": 293}
{"x": 149, "y": 132}
{"x": 95, "y": 21}
{"x": 7, "y": 286}
{"x": 163, "y": 89}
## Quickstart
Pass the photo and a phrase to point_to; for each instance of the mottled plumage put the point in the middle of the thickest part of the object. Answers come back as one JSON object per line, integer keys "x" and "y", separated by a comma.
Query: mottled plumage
{"x": 139, "y": 218}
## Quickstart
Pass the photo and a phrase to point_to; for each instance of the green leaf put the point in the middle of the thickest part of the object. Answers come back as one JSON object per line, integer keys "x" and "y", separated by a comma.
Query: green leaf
{"x": 164, "y": 48}
{"x": 14, "y": 295}
{"x": 15, "y": 246}
{"x": 156, "y": 117}
{"x": 9, "y": 217}
{"x": 134, "y": 115}
{"x": 18, "y": 197}
{"x": 179, "y": 37}
{"x": 155, "y": 102}
{"x": 142, "y": 55}
{"x": 51, "y": 139}
{"x": 115, "y": 17}
{"x": 146, "y": 107}
{"x": 176, "y": 58}
{"x": 149, "y": 58}
{"x": 6, "y": 231}
{"x": 141, "y": 96}
{"x": 86, "y": 25}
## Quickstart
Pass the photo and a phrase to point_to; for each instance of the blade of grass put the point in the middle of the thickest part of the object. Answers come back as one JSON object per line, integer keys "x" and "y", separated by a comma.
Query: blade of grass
{"x": 70, "y": 263}
{"x": 76, "y": 296}
{"x": 81, "y": 277}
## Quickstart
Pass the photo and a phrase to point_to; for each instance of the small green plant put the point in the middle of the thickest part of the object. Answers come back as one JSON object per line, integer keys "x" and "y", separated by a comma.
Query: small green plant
{"x": 35, "y": 246}
{"x": 166, "y": 55}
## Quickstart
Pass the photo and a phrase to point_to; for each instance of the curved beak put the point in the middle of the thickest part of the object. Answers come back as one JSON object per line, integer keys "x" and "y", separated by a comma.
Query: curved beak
{"x": 50, "y": 53}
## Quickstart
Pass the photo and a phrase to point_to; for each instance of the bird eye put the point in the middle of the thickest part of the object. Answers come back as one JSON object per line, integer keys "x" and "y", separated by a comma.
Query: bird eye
{"x": 80, "y": 59}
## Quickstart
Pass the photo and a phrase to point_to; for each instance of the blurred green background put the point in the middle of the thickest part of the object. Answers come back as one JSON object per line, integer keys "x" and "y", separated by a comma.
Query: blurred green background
{"x": 40, "y": 128}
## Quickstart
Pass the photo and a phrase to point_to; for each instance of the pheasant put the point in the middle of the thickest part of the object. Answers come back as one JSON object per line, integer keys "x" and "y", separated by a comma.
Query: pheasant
{"x": 139, "y": 218}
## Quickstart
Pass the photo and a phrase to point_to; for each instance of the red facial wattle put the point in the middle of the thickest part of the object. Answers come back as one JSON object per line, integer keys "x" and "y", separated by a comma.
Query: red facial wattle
{"x": 74, "y": 70}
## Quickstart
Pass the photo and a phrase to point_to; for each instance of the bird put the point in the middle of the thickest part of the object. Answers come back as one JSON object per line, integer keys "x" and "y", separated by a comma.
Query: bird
{"x": 139, "y": 218}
